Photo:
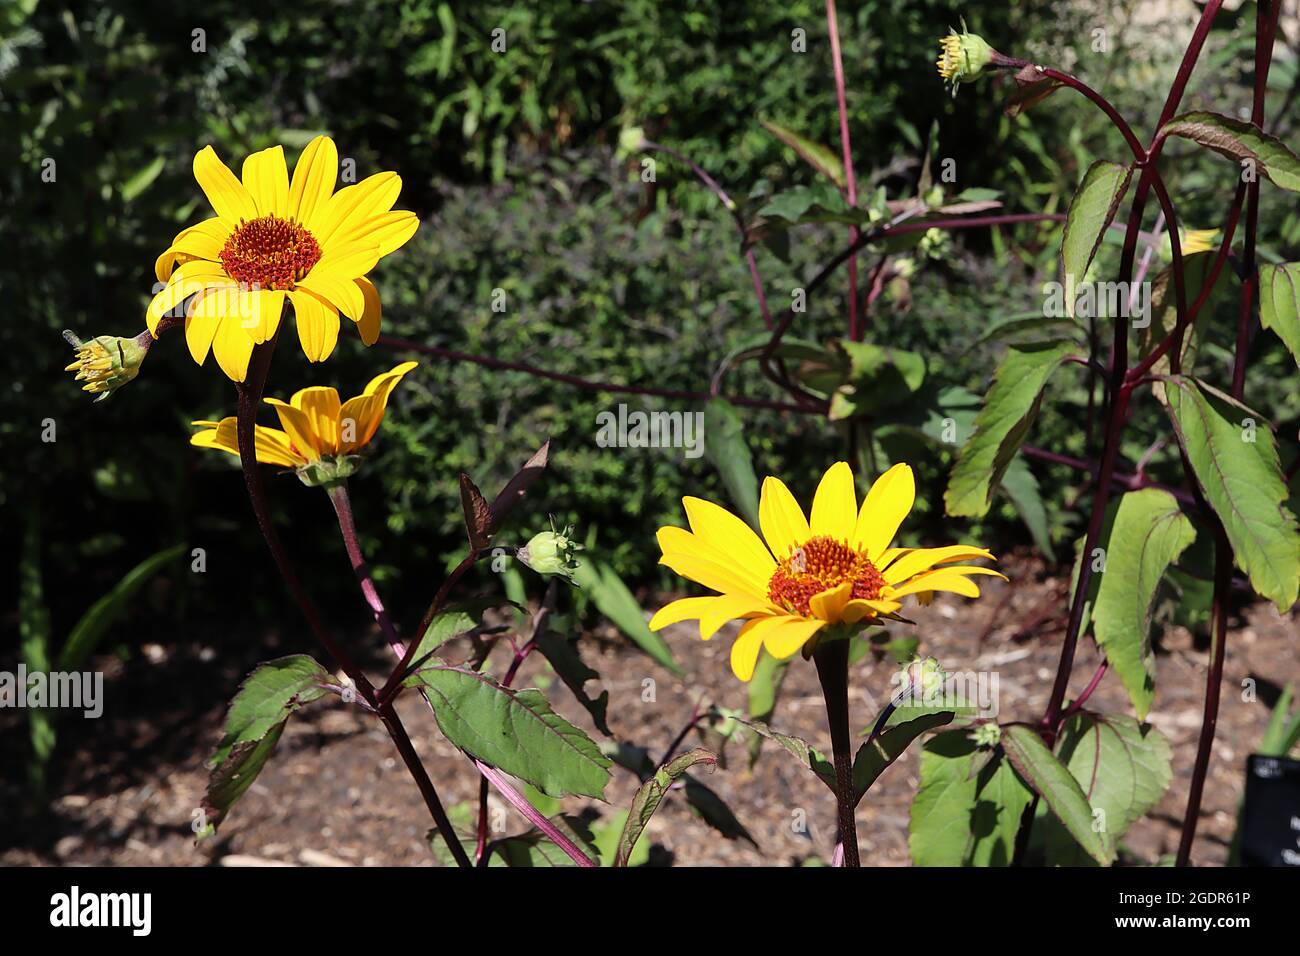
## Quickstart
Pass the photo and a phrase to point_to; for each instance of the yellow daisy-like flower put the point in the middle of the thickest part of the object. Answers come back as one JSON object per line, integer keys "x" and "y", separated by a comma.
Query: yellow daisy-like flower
{"x": 274, "y": 240}
{"x": 319, "y": 432}
{"x": 806, "y": 574}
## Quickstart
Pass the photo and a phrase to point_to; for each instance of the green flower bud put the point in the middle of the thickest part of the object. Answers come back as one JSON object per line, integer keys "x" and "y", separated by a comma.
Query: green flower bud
{"x": 924, "y": 677}
{"x": 551, "y": 553}
{"x": 986, "y": 735}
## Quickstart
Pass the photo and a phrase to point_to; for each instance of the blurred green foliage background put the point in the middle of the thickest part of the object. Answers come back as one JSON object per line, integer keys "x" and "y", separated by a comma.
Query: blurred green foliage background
{"x": 511, "y": 160}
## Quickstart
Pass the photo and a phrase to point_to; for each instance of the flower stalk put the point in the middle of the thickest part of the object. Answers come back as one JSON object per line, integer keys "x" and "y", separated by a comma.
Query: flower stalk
{"x": 250, "y": 395}
{"x": 832, "y": 660}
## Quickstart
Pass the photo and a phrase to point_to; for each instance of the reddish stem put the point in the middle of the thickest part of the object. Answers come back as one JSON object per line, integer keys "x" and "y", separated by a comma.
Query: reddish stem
{"x": 1266, "y": 17}
{"x": 846, "y": 151}
{"x": 338, "y": 496}
{"x": 250, "y": 394}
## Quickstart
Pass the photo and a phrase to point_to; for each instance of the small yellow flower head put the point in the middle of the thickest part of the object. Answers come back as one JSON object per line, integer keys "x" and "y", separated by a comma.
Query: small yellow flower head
{"x": 321, "y": 437}
{"x": 552, "y": 553}
{"x": 106, "y": 362}
{"x": 963, "y": 57}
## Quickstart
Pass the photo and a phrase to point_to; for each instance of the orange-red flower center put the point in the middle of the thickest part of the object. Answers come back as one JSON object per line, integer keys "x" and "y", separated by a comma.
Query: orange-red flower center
{"x": 269, "y": 253}
{"x": 821, "y": 563}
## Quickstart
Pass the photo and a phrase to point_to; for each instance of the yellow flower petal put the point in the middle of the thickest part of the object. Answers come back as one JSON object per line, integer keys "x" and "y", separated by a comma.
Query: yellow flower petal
{"x": 366, "y": 411}
{"x": 887, "y": 503}
{"x": 313, "y": 181}
{"x": 230, "y": 200}
{"x": 730, "y": 607}
{"x": 723, "y": 530}
{"x": 321, "y": 406}
{"x": 190, "y": 278}
{"x": 787, "y": 635}
{"x": 835, "y": 506}
{"x": 684, "y": 609}
{"x": 368, "y": 323}
{"x": 297, "y": 425}
{"x": 317, "y": 322}
{"x": 348, "y": 261}
{"x": 859, "y": 608}
{"x": 202, "y": 241}
{"x": 829, "y": 604}
{"x": 744, "y": 652}
{"x": 266, "y": 177}
{"x": 680, "y": 545}
{"x": 270, "y": 446}
{"x": 201, "y": 321}
{"x": 944, "y": 579}
{"x": 344, "y": 294}
{"x": 388, "y": 231}
{"x": 232, "y": 348}
{"x": 781, "y": 518}
{"x": 353, "y": 206}
{"x": 922, "y": 559}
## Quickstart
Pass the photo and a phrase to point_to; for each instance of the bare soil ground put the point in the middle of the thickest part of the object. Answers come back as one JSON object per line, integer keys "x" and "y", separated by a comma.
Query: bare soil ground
{"x": 125, "y": 786}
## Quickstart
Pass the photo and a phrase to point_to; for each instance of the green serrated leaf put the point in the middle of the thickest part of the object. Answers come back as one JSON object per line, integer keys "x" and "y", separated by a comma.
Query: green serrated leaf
{"x": 563, "y": 656}
{"x": 1049, "y": 778}
{"x": 1123, "y": 767}
{"x": 820, "y": 202}
{"x": 1148, "y": 534}
{"x": 268, "y": 696}
{"x": 800, "y": 749}
{"x": 1002, "y": 424}
{"x": 256, "y": 719}
{"x": 1090, "y": 214}
{"x": 514, "y": 730}
{"x": 960, "y": 817}
{"x": 1235, "y": 461}
{"x": 1279, "y": 303}
{"x": 648, "y": 798}
{"x": 1239, "y": 140}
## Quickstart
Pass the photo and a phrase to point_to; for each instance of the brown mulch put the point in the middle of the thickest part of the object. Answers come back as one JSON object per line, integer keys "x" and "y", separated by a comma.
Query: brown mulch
{"x": 335, "y": 793}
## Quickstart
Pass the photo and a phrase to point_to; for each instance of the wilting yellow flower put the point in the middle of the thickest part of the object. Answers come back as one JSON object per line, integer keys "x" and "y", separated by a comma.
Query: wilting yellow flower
{"x": 963, "y": 57}
{"x": 321, "y": 436}
{"x": 834, "y": 569}
{"x": 106, "y": 362}
{"x": 274, "y": 240}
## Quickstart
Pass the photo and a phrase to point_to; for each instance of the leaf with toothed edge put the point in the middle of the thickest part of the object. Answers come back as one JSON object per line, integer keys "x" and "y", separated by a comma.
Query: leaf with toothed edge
{"x": 1234, "y": 458}
{"x": 513, "y": 730}
{"x": 1090, "y": 214}
{"x": 256, "y": 719}
{"x": 1240, "y": 141}
{"x": 650, "y": 795}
